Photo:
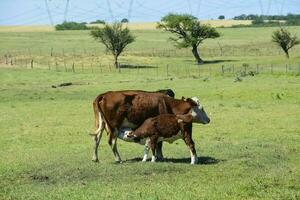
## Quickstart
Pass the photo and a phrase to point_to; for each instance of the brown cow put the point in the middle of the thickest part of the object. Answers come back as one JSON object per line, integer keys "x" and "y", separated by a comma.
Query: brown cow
{"x": 165, "y": 127}
{"x": 115, "y": 110}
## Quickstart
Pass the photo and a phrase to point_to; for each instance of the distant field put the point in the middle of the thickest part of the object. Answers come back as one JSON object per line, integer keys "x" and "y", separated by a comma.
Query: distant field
{"x": 214, "y": 23}
{"x": 36, "y": 28}
{"x": 60, "y": 49}
{"x": 133, "y": 26}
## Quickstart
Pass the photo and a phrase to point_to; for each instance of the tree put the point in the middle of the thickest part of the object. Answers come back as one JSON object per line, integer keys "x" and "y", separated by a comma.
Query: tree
{"x": 221, "y": 17}
{"x": 188, "y": 30}
{"x": 114, "y": 37}
{"x": 124, "y": 20}
{"x": 285, "y": 40}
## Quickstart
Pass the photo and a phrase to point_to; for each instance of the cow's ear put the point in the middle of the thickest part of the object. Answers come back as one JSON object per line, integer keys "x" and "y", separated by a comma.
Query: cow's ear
{"x": 192, "y": 102}
{"x": 183, "y": 98}
{"x": 187, "y": 118}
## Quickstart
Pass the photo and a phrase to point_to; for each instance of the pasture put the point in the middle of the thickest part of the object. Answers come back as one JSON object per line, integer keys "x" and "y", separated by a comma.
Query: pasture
{"x": 250, "y": 150}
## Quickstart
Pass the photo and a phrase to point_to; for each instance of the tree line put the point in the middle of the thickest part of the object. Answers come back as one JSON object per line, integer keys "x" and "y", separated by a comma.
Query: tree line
{"x": 289, "y": 19}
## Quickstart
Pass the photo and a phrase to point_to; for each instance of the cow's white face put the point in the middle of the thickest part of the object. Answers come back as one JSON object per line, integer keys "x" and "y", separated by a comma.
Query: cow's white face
{"x": 198, "y": 113}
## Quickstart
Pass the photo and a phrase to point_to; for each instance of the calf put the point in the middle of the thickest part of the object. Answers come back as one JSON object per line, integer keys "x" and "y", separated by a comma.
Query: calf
{"x": 165, "y": 127}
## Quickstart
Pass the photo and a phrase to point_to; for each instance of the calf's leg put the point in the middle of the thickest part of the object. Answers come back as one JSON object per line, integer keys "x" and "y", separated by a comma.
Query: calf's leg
{"x": 153, "y": 146}
{"x": 190, "y": 143}
{"x": 146, "y": 151}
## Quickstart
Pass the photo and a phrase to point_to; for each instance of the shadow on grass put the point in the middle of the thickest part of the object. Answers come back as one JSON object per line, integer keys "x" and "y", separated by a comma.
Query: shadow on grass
{"x": 202, "y": 160}
{"x": 213, "y": 61}
{"x": 127, "y": 66}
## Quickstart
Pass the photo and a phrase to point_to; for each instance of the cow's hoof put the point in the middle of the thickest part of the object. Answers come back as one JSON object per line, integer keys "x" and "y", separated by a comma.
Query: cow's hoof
{"x": 95, "y": 160}
{"x": 118, "y": 161}
{"x": 160, "y": 159}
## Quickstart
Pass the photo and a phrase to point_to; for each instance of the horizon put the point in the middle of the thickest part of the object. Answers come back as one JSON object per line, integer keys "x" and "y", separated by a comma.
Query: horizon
{"x": 51, "y": 12}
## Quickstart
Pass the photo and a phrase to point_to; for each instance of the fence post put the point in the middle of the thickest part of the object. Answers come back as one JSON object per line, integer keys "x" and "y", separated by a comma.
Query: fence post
{"x": 73, "y": 67}
{"x": 65, "y": 65}
{"x": 271, "y": 68}
{"x": 167, "y": 70}
{"x": 6, "y": 59}
{"x": 31, "y": 64}
{"x": 51, "y": 52}
{"x": 222, "y": 69}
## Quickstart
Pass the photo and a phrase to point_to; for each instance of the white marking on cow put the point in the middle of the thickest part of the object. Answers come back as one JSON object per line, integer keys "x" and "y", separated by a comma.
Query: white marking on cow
{"x": 146, "y": 149}
{"x": 153, "y": 158}
{"x": 194, "y": 159}
{"x": 198, "y": 113}
{"x": 101, "y": 124}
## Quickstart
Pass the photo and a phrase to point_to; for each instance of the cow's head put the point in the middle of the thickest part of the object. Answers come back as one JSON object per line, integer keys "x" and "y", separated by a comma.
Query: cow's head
{"x": 197, "y": 111}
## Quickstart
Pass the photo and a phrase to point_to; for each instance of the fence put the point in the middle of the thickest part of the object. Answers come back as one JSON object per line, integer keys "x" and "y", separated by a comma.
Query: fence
{"x": 150, "y": 71}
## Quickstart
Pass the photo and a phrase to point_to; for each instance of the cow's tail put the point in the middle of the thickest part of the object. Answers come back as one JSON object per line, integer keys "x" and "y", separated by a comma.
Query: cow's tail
{"x": 99, "y": 120}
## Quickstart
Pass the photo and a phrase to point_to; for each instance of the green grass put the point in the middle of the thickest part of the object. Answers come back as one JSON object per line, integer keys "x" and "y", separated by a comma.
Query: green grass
{"x": 250, "y": 150}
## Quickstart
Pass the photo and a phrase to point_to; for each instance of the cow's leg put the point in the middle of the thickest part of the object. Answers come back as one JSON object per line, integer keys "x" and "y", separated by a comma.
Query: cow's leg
{"x": 153, "y": 146}
{"x": 159, "y": 154}
{"x": 97, "y": 137}
{"x": 113, "y": 144}
{"x": 146, "y": 151}
{"x": 190, "y": 143}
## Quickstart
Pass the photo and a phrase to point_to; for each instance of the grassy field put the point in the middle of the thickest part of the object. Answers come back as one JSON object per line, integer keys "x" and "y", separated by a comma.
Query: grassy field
{"x": 250, "y": 150}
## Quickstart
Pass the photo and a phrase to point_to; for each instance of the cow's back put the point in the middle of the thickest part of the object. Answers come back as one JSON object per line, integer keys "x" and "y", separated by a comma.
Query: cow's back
{"x": 133, "y": 106}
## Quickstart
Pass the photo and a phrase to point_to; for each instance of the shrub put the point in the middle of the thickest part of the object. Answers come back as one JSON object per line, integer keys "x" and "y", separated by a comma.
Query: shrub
{"x": 71, "y": 26}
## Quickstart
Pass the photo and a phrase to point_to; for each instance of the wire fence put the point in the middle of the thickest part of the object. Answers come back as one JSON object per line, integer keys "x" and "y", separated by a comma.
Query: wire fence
{"x": 150, "y": 71}
{"x": 215, "y": 51}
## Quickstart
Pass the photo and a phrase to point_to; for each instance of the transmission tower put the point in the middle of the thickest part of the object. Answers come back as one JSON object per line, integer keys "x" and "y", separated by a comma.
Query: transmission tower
{"x": 66, "y": 10}
{"x": 130, "y": 9}
{"x": 110, "y": 10}
{"x": 49, "y": 13}
{"x": 261, "y": 7}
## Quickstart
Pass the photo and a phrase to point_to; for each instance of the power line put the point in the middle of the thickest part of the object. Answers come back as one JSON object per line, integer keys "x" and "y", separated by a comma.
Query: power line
{"x": 49, "y": 13}
{"x": 130, "y": 9}
{"x": 110, "y": 10}
{"x": 66, "y": 10}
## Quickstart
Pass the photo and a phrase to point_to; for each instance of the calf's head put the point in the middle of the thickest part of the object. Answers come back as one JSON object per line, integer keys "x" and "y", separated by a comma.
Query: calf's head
{"x": 197, "y": 111}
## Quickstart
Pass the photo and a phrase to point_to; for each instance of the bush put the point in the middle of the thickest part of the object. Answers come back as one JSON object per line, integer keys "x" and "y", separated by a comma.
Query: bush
{"x": 99, "y": 21}
{"x": 71, "y": 26}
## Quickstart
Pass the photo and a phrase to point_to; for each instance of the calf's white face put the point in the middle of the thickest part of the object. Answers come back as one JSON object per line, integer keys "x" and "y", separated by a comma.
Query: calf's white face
{"x": 198, "y": 113}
